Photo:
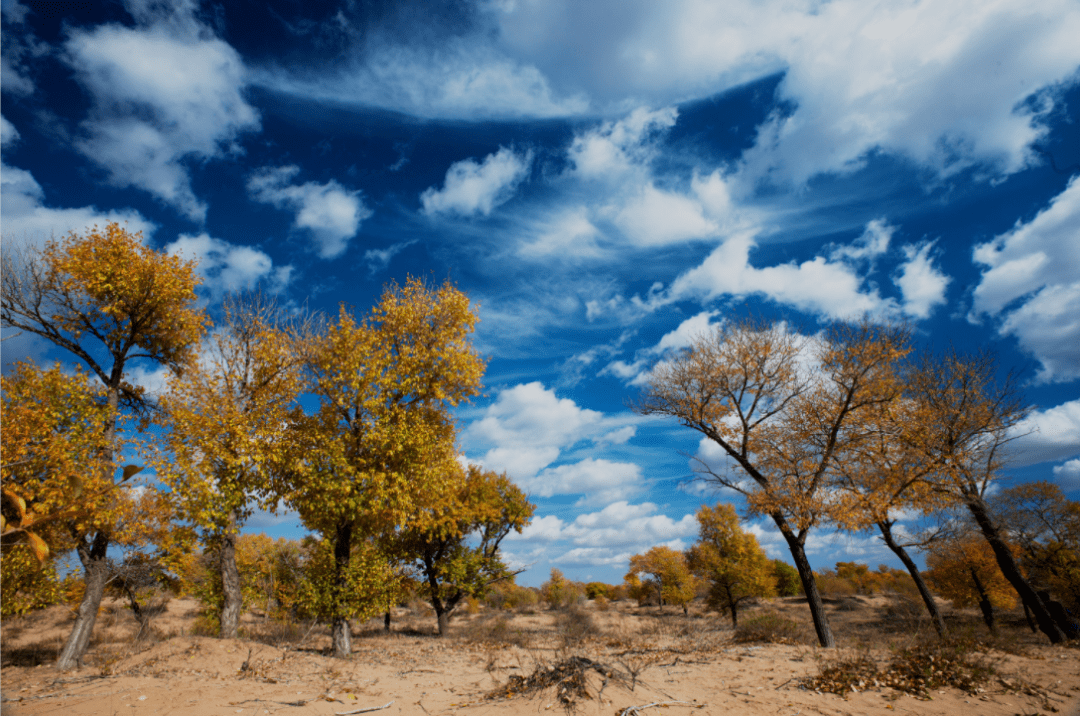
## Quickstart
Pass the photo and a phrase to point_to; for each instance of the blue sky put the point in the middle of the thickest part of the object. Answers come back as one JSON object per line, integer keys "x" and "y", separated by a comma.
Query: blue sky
{"x": 605, "y": 179}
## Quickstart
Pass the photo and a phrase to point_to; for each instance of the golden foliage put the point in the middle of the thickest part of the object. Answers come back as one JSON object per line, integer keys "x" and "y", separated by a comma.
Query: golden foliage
{"x": 729, "y": 560}
{"x": 669, "y": 574}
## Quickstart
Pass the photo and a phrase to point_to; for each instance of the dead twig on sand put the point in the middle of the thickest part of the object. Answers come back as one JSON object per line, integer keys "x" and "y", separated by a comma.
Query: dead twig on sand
{"x": 567, "y": 678}
{"x": 364, "y": 711}
{"x": 636, "y": 710}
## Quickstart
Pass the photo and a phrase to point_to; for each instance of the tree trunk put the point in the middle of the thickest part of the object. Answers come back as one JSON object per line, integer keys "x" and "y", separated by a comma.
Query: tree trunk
{"x": 443, "y": 617}
{"x": 806, "y": 576}
{"x": 341, "y": 634}
{"x": 96, "y": 574}
{"x": 386, "y": 621}
{"x": 1011, "y": 571}
{"x": 924, "y": 591}
{"x": 1030, "y": 619}
{"x": 984, "y": 601}
{"x": 230, "y": 583}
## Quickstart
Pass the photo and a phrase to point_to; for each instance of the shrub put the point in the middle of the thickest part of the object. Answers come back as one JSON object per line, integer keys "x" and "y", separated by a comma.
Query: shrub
{"x": 599, "y": 589}
{"x": 788, "y": 583}
{"x": 769, "y": 628}
{"x": 573, "y": 625}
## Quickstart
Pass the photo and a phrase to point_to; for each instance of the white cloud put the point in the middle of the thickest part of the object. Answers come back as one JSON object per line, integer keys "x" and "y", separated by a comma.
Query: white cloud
{"x": 28, "y": 219}
{"x": 8, "y": 133}
{"x": 569, "y": 233}
{"x": 463, "y": 80}
{"x": 379, "y": 259}
{"x": 939, "y": 83}
{"x": 834, "y": 289}
{"x": 528, "y": 427}
{"x": 228, "y": 268}
{"x": 1068, "y": 475}
{"x": 656, "y": 217}
{"x": 616, "y": 148}
{"x": 873, "y": 243}
{"x": 329, "y": 211}
{"x": 1032, "y": 281}
{"x": 920, "y": 283}
{"x": 474, "y": 188}
{"x": 622, "y": 524}
{"x": 163, "y": 95}
{"x": 686, "y": 332}
{"x": 1048, "y": 435}
{"x": 600, "y": 481}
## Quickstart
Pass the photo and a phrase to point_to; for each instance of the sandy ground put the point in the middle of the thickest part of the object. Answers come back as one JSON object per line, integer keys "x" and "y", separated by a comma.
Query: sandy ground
{"x": 650, "y": 658}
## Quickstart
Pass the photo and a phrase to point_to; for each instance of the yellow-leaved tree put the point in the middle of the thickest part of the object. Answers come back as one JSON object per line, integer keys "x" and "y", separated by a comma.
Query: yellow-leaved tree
{"x": 112, "y": 302}
{"x": 730, "y": 561}
{"x": 669, "y": 576}
{"x": 883, "y": 476}
{"x": 965, "y": 420}
{"x": 965, "y": 571}
{"x": 224, "y": 421}
{"x": 455, "y": 548}
{"x": 781, "y": 409}
{"x": 381, "y": 446}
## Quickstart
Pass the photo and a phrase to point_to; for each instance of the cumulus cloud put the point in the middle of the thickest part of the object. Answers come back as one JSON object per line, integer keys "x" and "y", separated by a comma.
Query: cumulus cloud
{"x": 921, "y": 284}
{"x": 1048, "y": 435}
{"x": 1031, "y": 282}
{"x": 1068, "y": 475}
{"x": 655, "y": 217}
{"x": 819, "y": 285}
{"x": 8, "y": 134}
{"x": 330, "y": 212}
{"x": 600, "y": 481}
{"x": 163, "y": 94}
{"x": 29, "y": 219}
{"x": 379, "y": 259}
{"x": 528, "y": 427}
{"x": 228, "y": 268}
{"x": 477, "y": 188}
{"x": 616, "y": 148}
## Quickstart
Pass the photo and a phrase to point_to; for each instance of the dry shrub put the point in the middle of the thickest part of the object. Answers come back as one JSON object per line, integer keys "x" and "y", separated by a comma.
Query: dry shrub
{"x": 915, "y": 670}
{"x": 497, "y": 632}
{"x": 568, "y": 679}
{"x": 768, "y": 628}
{"x": 602, "y": 603}
{"x": 573, "y": 625}
{"x": 472, "y": 605}
{"x": 830, "y": 585}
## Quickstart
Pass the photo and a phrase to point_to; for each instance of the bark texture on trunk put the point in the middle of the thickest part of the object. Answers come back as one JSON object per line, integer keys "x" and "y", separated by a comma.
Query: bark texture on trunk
{"x": 444, "y": 622}
{"x": 96, "y": 574}
{"x": 230, "y": 585}
{"x": 386, "y": 621}
{"x": 342, "y": 636}
{"x": 913, "y": 570}
{"x": 1011, "y": 571}
{"x": 806, "y": 576}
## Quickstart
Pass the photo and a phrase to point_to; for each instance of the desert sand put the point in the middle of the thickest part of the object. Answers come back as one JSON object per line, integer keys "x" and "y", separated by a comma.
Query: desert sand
{"x": 636, "y": 661}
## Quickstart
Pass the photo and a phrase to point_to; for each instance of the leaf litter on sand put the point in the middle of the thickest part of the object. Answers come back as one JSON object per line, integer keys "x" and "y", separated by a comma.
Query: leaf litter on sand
{"x": 568, "y": 678}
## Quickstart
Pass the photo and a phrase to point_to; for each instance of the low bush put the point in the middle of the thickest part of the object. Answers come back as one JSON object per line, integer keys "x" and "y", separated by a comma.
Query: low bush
{"x": 768, "y": 628}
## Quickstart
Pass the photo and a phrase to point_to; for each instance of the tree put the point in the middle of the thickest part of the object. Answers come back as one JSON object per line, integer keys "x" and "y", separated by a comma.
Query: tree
{"x": 669, "y": 574}
{"x": 1045, "y": 526}
{"x": 730, "y": 560}
{"x": 782, "y": 410}
{"x": 965, "y": 423}
{"x": 787, "y": 578}
{"x": 224, "y": 425}
{"x": 882, "y": 476}
{"x": 381, "y": 447}
{"x": 110, "y": 301}
{"x": 965, "y": 571}
{"x": 456, "y": 548}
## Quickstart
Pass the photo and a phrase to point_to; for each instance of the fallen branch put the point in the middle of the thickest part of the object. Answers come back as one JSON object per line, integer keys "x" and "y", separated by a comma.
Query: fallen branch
{"x": 364, "y": 711}
{"x": 636, "y": 710}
